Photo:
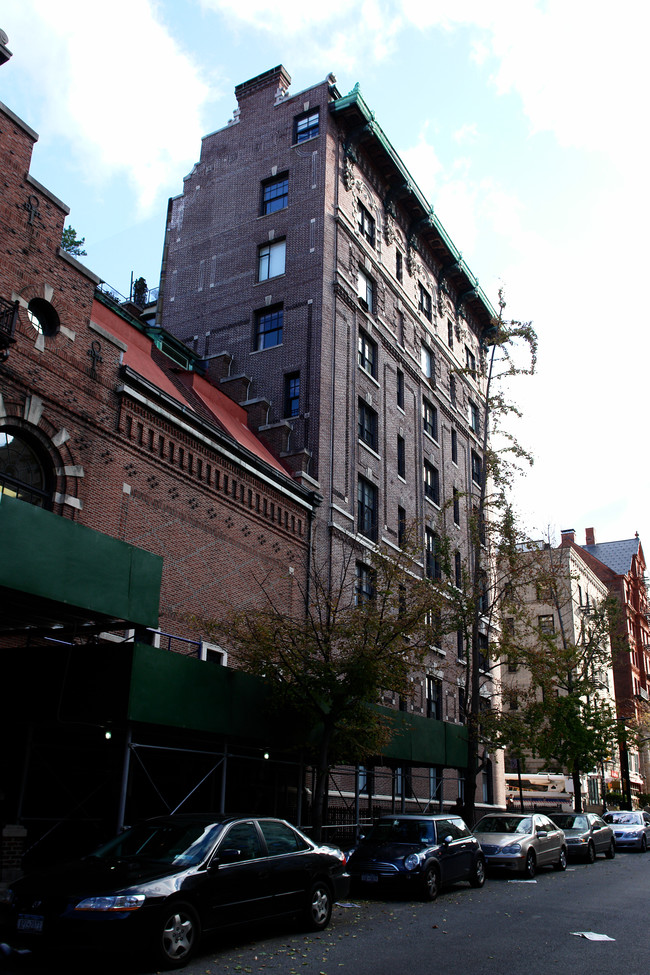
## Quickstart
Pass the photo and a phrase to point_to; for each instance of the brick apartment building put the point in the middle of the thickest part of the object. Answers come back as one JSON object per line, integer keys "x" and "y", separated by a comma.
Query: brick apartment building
{"x": 621, "y": 567}
{"x": 302, "y": 259}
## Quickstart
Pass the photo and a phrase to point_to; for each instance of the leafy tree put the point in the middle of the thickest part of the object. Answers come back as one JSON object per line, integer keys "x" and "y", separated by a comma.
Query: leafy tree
{"x": 465, "y": 595}
{"x": 140, "y": 292}
{"x": 364, "y": 633}
{"x": 71, "y": 243}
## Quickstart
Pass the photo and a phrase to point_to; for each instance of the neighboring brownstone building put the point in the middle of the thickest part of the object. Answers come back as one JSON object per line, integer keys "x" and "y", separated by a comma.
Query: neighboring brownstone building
{"x": 621, "y": 566}
{"x": 301, "y": 249}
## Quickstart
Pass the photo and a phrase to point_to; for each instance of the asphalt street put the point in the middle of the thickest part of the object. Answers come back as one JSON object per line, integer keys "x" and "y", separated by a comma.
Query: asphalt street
{"x": 523, "y": 928}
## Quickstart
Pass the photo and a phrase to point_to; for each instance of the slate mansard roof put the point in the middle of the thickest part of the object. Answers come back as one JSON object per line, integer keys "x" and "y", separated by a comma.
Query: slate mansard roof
{"x": 617, "y": 556}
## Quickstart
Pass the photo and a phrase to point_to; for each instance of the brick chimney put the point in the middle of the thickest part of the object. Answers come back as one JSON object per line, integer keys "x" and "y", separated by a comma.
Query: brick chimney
{"x": 590, "y": 538}
{"x": 568, "y": 537}
{"x": 276, "y": 78}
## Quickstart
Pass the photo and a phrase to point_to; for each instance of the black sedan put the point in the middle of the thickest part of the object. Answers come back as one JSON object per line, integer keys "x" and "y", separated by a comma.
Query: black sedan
{"x": 418, "y": 852}
{"x": 163, "y": 882}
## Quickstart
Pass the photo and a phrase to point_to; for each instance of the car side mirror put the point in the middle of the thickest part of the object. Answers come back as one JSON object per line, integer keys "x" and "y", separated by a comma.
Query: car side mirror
{"x": 542, "y": 832}
{"x": 229, "y": 855}
{"x": 447, "y": 840}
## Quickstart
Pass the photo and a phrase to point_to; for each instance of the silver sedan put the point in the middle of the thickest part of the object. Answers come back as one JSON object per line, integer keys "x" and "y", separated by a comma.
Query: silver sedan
{"x": 521, "y": 842}
{"x": 586, "y": 835}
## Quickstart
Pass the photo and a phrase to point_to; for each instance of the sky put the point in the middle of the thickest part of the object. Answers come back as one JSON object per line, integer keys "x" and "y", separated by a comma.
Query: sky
{"x": 523, "y": 122}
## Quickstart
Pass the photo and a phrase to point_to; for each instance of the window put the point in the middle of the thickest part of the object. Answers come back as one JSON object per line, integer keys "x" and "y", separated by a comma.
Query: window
{"x": 275, "y": 194}
{"x": 306, "y": 127}
{"x": 281, "y": 838}
{"x": 268, "y": 328}
{"x": 399, "y": 270}
{"x": 25, "y": 472}
{"x": 470, "y": 362}
{"x": 462, "y": 717}
{"x": 426, "y": 360}
{"x": 365, "y": 290}
{"x": 477, "y": 468}
{"x": 456, "y": 497}
{"x": 483, "y": 655}
{"x": 452, "y": 389}
{"x": 460, "y": 645}
{"x": 367, "y": 509}
{"x": 401, "y": 526}
{"x": 450, "y": 333}
{"x": 245, "y": 838}
{"x": 367, "y": 425}
{"x": 366, "y": 225}
{"x": 431, "y": 482}
{"x": 364, "y": 587}
{"x": 270, "y": 261}
{"x": 473, "y": 417}
{"x": 546, "y": 623}
{"x": 430, "y": 419}
{"x": 434, "y": 698}
{"x": 401, "y": 456}
{"x": 433, "y": 567}
{"x": 513, "y": 664}
{"x": 292, "y": 394}
{"x": 367, "y": 354}
{"x": 458, "y": 569}
{"x": 454, "y": 446}
{"x": 424, "y": 303}
{"x": 400, "y": 389}
{"x": 43, "y": 316}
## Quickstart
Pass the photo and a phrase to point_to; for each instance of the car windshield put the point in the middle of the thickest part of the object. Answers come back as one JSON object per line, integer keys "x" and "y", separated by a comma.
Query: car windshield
{"x": 180, "y": 844}
{"x": 402, "y": 831}
{"x": 504, "y": 824}
{"x": 624, "y": 817}
{"x": 571, "y": 822}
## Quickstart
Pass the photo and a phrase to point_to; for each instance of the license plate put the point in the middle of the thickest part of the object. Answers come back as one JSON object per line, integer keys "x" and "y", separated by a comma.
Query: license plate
{"x": 30, "y": 922}
{"x": 369, "y": 878}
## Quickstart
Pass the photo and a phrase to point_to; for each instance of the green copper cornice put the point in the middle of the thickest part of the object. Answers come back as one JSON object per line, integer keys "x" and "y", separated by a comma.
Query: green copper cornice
{"x": 354, "y": 115}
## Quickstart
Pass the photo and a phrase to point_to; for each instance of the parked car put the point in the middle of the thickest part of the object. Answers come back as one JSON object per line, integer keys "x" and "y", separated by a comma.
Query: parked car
{"x": 630, "y": 828}
{"x": 163, "y": 882}
{"x": 521, "y": 842}
{"x": 422, "y": 853}
{"x": 586, "y": 835}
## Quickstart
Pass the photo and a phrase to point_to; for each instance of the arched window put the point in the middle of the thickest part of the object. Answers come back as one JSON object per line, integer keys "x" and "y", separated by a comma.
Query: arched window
{"x": 25, "y": 470}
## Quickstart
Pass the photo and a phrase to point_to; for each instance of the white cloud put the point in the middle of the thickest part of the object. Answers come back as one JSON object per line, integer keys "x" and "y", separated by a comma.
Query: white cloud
{"x": 117, "y": 87}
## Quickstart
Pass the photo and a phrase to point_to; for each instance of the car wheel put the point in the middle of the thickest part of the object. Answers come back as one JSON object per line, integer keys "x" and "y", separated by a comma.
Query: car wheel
{"x": 644, "y": 844}
{"x": 591, "y": 852}
{"x": 478, "y": 877}
{"x": 177, "y": 934}
{"x": 319, "y": 909}
{"x": 561, "y": 860}
{"x": 430, "y": 883}
{"x": 611, "y": 850}
{"x": 530, "y": 865}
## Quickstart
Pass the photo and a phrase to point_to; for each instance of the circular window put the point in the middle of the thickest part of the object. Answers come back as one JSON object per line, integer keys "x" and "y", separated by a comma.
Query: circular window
{"x": 22, "y": 472}
{"x": 43, "y": 316}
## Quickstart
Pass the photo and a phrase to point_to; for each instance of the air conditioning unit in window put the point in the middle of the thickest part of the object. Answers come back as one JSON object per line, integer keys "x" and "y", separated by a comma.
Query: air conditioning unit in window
{"x": 213, "y": 653}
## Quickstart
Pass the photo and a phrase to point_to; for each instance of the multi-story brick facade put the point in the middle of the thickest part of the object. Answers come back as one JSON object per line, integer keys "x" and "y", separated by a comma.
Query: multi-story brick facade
{"x": 301, "y": 247}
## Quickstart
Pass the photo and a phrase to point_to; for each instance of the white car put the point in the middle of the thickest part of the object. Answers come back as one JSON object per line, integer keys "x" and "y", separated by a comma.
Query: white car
{"x": 630, "y": 828}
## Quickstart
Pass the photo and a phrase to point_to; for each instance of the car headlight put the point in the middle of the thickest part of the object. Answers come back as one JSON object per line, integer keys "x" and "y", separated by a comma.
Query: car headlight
{"x": 513, "y": 850}
{"x": 117, "y": 902}
{"x": 412, "y": 861}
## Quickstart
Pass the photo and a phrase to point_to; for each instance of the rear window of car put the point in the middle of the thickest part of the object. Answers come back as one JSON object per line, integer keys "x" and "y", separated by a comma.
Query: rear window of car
{"x": 623, "y": 818}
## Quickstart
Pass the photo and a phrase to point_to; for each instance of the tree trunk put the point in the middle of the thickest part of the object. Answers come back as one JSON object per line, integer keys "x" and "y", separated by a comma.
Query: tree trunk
{"x": 322, "y": 778}
{"x": 577, "y": 787}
